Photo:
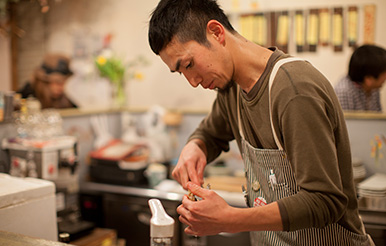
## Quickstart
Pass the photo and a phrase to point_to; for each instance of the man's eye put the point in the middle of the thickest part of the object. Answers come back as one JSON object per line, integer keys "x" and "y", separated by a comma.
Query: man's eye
{"x": 189, "y": 65}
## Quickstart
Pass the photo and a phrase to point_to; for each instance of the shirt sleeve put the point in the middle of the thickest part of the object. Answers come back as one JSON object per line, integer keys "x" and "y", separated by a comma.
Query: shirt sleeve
{"x": 215, "y": 130}
{"x": 308, "y": 127}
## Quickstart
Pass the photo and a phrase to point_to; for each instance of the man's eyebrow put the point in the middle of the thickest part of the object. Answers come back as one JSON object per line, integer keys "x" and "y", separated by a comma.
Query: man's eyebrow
{"x": 177, "y": 66}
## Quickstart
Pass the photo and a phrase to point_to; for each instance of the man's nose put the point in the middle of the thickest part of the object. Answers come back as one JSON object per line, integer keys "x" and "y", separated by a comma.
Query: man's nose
{"x": 194, "y": 79}
{"x": 60, "y": 87}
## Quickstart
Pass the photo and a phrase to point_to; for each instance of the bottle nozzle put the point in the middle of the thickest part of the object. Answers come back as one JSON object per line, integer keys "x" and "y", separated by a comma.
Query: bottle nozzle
{"x": 161, "y": 224}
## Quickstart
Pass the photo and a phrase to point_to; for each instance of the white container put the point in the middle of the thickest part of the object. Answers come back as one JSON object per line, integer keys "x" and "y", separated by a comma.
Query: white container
{"x": 155, "y": 173}
{"x": 28, "y": 207}
{"x": 161, "y": 225}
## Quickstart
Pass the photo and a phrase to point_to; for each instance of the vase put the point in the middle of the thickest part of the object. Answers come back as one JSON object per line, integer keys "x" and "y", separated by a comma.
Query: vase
{"x": 119, "y": 95}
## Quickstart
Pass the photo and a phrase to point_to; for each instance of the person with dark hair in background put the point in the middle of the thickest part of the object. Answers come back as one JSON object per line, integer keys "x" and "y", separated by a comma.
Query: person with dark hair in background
{"x": 48, "y": 82}
{"x": 287, "y": 122}
{"x": 359, "y": 90}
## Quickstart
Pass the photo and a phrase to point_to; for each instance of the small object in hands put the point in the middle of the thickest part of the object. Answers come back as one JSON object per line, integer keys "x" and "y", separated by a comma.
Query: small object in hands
{"x": 197, "y": 239}
{"x": 191, "y": 196}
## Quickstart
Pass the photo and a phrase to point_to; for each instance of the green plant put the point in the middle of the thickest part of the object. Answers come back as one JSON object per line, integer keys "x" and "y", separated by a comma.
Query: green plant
{"x": 111, "y": 68}
{"x": 118, "y": 72}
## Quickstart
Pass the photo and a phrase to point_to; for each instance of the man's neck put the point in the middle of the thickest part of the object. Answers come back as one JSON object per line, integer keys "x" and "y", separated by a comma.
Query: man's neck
{"x": 250, "y": 61}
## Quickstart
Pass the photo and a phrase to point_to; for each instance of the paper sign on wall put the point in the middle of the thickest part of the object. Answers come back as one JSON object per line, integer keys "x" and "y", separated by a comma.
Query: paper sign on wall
{"x": 312, "y": 30}
{"x": 352, "y": 25}
{"x": 300, "y": 31}
{"x": 325, "y": 27}
{"x": 337, "y": 34}
{"x": 369, "y": 24}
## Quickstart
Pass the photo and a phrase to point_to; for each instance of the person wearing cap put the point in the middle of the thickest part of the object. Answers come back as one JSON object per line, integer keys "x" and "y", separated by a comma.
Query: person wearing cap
{"x": 48, "y": 82}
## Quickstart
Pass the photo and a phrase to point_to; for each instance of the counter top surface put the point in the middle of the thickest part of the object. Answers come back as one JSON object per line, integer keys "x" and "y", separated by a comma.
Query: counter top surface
{"x": 168, "y": 190}
{"x": 15, "y": 239}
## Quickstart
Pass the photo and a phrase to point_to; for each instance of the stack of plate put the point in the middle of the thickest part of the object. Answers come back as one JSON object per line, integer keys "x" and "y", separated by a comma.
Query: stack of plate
{"x": 359, "y": 170}
{"x": 373, "y": 191}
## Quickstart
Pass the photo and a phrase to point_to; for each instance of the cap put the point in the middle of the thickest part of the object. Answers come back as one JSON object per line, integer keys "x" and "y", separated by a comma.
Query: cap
{"x": 56, "y": 63}
{"x": 54, "y": 68}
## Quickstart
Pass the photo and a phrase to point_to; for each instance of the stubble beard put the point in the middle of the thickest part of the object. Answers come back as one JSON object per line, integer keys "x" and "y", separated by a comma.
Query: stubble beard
{"x": 227, "y": 86}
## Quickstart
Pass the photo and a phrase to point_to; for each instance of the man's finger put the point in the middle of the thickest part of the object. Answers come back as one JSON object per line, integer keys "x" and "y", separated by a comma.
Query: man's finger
{"x": 200, "y": 173}
{"x": 197, "y": 190}
{"x": 190, "y": 231}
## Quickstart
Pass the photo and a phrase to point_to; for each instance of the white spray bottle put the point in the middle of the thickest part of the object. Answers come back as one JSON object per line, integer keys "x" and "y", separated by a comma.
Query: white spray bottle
{"x": 161, "y": 225}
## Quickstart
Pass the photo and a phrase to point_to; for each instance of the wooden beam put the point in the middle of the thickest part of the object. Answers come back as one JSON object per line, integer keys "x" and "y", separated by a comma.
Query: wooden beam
{"x": 14, "y": 46}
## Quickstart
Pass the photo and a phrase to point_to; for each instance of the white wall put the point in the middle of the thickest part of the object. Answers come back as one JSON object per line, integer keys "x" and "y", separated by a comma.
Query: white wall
{"x": 127, "y": 21}
{"x": 332, "y": 64}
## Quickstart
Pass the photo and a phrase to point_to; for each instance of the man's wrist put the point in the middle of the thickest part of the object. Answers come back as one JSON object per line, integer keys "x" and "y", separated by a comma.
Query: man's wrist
{"x": 201, "y": 144}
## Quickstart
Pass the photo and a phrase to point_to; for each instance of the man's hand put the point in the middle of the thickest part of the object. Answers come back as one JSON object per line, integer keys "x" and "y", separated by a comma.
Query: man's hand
{"x": 191, "y": 164}
{"x": 208, "y": 216}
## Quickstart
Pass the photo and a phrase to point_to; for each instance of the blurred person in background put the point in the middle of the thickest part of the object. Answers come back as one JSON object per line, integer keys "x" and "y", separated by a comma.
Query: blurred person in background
{"x": 48, "y": 82}
{"x": 359, "y": 90}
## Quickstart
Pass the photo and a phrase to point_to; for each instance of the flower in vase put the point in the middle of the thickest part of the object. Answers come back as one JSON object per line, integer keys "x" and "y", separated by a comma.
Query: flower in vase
{"x": 118, "y": 72}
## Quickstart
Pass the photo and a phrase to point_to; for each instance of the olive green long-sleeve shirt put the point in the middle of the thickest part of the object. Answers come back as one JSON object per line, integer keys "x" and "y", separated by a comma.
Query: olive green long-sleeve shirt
{"x": 311, "y": 128}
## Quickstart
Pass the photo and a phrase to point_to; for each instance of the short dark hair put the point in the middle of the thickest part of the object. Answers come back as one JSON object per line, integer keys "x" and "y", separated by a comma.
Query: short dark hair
{"x": 184, "y": 19}
{"x": 367, "y": 60}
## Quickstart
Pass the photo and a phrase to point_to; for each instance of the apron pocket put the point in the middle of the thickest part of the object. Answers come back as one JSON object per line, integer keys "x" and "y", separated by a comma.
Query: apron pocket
{"x": 281, "y": 190}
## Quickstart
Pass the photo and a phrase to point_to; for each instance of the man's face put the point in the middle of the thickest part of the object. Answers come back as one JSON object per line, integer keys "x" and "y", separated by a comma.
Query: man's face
{"x": 57, "y": 85}
{"x": 375, "y": 83}
{"x": 380, "y": 80}
{"x": 201, "y": 65}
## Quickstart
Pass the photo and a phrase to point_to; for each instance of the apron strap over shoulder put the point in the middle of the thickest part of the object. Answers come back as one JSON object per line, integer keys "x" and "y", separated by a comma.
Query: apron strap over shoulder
{"x": 238, "y": 113}
{"x": 271, "y": 79}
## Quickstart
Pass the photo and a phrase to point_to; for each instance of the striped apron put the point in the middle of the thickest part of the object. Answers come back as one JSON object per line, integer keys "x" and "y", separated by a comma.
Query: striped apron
{"x": 270, "y": 178}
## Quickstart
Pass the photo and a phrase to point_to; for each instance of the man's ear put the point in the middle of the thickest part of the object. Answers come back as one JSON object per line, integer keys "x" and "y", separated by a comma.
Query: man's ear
{"x": 368, "y": 80}
{"x": 216, "y": 30}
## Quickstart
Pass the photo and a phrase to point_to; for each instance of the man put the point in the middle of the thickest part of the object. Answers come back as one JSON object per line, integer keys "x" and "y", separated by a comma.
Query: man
{"x": 291, "y": 134}
{"x": 48, "y": 82}
{"x": 359, "y": 90}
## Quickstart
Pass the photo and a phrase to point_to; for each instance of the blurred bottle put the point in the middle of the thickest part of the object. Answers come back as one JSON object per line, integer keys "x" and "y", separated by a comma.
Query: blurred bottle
{"x": 33, "y": 122}
{"x": 20, "y": 117}
{"x": 64, "y": 237}
{"x": 17, "y": 101}
{"x": 161, "y": 225}
{"x": 8, "y": 106}
{"x": 31, "y": 165}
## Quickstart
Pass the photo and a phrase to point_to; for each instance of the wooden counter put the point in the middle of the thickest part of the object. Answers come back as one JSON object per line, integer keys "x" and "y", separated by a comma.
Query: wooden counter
{"x": 14, "y": 239}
